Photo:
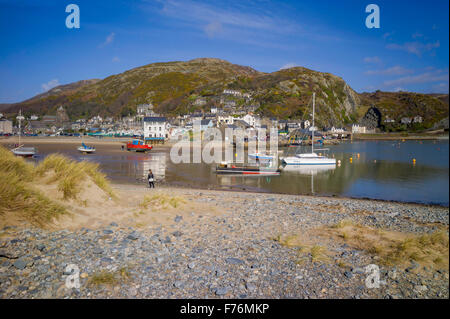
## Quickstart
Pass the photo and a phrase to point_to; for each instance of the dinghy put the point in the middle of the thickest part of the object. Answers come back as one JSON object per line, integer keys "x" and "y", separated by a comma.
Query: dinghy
{"x": 86, "y": 149}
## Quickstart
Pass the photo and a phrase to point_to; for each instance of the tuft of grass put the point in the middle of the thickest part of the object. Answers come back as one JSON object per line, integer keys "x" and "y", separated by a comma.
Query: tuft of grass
{"x": 394, "y": 248}
{"x": 319, "y": 254}
{"x": 109, "y": 278}
{"x": 316, "y": 252}
{"x": 103, "y": 278}
{"x": 161, "y": 200}
{"x": 343, "y": 223}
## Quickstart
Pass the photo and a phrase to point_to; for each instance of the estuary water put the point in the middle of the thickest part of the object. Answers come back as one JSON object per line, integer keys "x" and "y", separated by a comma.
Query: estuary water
{"x": 378, "y": 170}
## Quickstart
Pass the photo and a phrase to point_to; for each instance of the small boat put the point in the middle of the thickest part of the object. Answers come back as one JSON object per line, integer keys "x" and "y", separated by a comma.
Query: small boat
{"x": 24, "y": 151}
{"x": 20, "y": 150}
{"x": 310, "y": 158}
{"x": 231, "y": 169}
{"x": 86, "y": 149}
{"x": 138, "y": 145}
{"x": 263, "y": 157}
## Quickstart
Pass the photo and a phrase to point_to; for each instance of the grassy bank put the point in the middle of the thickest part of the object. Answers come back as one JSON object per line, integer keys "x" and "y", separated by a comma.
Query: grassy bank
{"x": 20, "y": 197}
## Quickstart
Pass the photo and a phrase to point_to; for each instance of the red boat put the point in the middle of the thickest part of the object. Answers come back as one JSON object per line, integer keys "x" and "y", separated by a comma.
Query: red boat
{"x": 138, "y": 146}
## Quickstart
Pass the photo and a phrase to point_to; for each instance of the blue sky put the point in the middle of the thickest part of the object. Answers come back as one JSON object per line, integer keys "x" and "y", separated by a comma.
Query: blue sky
{"x": 409, "y": 52}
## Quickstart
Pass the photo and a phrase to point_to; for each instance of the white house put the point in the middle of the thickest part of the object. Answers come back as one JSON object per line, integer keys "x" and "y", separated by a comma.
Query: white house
{"x": 222, "y": 119}
{"x": 250, "y": 119}
{"x": 418, "y": 119}
{"x": 155, "y": 127}
{"x": 143, "y": 110}
{"x": 337, "y": 130}
{"x": 6, "y": 126}
{"x": 358, "y": 129}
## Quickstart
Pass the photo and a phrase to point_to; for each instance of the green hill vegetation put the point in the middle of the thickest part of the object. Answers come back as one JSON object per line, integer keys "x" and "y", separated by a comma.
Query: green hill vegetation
{"x": 174, "y": 87}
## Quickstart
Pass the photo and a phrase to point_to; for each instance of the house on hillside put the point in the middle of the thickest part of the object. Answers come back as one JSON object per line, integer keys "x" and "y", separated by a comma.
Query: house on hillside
{"x": 406, "y": 120}
{"x": 6, "y": 126}
{"x": 49, "y": 119}
{"x": 143, "y": 110}
{"x": 356, "y": 129}
{"x": 250, "y": 119}
{"x": 417, "y": 119}
{"x": 203, "y": 124}
{"x": 225, "y": 120}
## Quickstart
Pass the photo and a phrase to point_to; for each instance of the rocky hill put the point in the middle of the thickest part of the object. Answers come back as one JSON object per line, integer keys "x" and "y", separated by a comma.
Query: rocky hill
{"x": 180, "y": 87}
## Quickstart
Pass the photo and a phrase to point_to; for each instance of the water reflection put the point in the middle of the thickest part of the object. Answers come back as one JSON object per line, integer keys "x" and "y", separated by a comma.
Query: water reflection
{"x": 308, "y": 169}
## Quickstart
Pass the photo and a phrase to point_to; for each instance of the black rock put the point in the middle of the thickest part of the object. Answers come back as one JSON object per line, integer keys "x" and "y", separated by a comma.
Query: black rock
{"x": 348, "y": 274}
{"x": 20, "y": 264}
{"x": 221, "y": 291}
{"x": 133, "y": 236}
{"x": 177, "y": 234}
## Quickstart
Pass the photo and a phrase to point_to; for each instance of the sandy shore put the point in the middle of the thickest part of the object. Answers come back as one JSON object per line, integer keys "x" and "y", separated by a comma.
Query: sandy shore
{"x": 212, "y": 244}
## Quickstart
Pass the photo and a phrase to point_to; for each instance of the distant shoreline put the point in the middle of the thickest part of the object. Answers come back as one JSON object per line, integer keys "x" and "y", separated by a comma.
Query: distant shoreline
{"x": 435, "y": 135}
{"x": 117, "y": 140}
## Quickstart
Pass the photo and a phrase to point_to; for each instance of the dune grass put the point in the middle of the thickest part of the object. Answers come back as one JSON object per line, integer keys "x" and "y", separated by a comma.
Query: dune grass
{"x": 70, "y": 174}
{"x": 161, "y": 200}
{"x": 18, "y": 194}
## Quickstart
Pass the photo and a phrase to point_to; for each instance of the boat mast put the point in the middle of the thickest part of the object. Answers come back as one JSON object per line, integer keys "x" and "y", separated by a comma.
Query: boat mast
{"x": 313, "y": 127}
{"x": 20, "y": 118}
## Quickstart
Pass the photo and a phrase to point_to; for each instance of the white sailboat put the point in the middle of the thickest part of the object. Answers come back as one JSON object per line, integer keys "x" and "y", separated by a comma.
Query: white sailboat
{"x": 21, "y": 150}
{"x": 309, "y": 158}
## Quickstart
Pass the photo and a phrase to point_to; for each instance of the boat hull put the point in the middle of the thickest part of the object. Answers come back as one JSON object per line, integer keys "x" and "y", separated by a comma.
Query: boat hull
{"x": 246, "y": 171}
{"x": 24, "y": 151}
{"x": 308, "y": 161}
{"x": 86, "y": 150}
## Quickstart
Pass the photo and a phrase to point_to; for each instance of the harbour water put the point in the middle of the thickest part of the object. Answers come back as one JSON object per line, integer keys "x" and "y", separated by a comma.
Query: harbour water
{"x": 382, "y": 170}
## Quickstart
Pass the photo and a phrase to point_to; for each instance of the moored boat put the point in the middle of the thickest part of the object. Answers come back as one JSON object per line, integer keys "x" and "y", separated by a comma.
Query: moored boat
{"x": 24, "y": 151}
{"x": 231, "y": 169}
{"x": 86, "y": 149}
{"x": 309, "y": 158}
{"x": 20, "y": 150}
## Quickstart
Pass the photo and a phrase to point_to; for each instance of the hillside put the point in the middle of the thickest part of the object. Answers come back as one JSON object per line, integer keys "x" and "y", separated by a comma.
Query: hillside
{"x": 432, "y": 108}
{"x": 176, "y": 87}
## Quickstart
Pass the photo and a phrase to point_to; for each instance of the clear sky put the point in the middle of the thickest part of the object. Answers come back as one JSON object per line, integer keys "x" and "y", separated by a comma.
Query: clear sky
{"x": 410, "y": 50}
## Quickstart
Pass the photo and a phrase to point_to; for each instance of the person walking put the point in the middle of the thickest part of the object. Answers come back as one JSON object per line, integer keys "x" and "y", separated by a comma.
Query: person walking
{"x": 151, "y": 179}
